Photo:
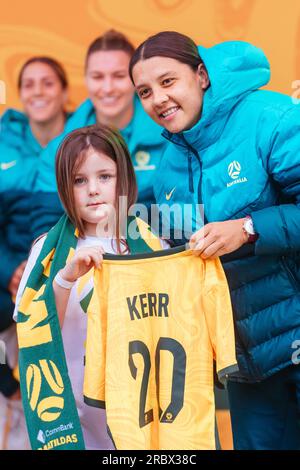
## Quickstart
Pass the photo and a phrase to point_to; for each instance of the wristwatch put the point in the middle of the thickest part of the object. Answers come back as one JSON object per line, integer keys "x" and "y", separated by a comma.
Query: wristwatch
{"x": 249, "y": 230}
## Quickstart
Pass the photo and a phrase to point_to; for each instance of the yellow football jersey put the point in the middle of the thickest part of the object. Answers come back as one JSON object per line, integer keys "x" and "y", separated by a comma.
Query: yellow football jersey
{"x": 155, "y": 325}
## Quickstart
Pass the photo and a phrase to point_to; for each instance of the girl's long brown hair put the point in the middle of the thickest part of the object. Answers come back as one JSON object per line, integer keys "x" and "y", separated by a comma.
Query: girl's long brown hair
{"x": 72, "y": 152}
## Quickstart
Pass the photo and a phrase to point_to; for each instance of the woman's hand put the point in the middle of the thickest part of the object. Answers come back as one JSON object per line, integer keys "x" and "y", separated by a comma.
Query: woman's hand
{"x": 83, "y": 260}
{"x": 218, "y": 238}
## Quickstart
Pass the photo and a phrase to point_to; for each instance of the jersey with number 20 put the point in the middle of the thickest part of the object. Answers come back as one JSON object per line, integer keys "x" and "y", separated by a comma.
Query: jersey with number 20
{"x": 156, "y": 324}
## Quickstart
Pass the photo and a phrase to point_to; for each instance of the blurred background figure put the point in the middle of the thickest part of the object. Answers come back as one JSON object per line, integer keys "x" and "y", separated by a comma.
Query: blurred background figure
{"x": 112, "y": 101}
{"x": 43, "y": 89}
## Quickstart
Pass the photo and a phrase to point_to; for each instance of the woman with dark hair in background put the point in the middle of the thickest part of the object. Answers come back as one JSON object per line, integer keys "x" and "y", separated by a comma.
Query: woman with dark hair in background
{"x": 112, "y": 102}
{"x": 43, "y": 89}
{"x": 235, "y": 149}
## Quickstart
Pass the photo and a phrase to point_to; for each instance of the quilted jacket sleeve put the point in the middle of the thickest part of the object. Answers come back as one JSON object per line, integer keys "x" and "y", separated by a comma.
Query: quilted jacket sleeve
{"x": 279, "y": 226}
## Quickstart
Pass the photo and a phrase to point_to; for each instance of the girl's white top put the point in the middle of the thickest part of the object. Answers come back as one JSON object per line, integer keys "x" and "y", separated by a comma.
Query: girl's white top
{"x": 93, "y": 420}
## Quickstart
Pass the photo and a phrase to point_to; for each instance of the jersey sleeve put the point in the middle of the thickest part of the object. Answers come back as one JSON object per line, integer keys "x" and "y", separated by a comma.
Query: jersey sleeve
{"x": 95, "y": 359}
{"x": 219, "y": 319}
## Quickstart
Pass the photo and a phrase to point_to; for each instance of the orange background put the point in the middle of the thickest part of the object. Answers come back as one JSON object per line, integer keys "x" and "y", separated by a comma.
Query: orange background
{"x": 64, "y": 29}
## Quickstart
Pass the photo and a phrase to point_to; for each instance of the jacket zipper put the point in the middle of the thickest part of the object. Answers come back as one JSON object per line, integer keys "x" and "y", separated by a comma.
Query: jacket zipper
{"x": 200, "y": 201}
{"x": 191, "y": 182}
{"x": 293, "y": 280}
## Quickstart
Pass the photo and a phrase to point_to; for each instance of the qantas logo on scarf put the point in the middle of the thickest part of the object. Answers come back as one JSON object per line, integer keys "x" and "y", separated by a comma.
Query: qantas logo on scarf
{"x": 234, "y": 170}
{"x": 50, "y": 407}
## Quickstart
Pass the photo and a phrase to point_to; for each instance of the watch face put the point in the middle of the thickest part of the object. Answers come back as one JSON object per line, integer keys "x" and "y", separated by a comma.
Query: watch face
{"x": 249, "y": 227}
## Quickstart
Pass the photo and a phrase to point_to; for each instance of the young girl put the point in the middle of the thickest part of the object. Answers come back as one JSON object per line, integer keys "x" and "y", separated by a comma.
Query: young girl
{"x": 94, "y": 170}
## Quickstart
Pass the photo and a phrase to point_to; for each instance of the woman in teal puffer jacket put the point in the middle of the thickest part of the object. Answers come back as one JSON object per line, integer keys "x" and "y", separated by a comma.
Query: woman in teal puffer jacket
{"x": 234, "y": 149}
{"x": 43, "y": 89}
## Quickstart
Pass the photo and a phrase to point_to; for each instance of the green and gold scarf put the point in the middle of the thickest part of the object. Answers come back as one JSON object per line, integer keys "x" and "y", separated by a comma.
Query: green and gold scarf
{"x": 48, "y": 401}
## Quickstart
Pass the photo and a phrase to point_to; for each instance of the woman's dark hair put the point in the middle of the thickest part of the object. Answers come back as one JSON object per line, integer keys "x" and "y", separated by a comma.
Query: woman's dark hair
{"x": 54, "y": 64}
{"x": 71, "y": 154}
{"x": 167, "y": 44}
{"x": 110, "y": 41}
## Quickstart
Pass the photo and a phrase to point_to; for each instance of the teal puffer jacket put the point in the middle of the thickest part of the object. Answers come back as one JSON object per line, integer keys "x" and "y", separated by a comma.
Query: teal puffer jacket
{"x": 19, "y": 157}
{"x": 19, "y": 152}
{"x": 243, "y": 158}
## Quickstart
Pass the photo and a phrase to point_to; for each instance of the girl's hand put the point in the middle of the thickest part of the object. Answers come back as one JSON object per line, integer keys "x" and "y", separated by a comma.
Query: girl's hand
{"x": 218, "y": 238}
{"x": 16, "y": 278}
{"x": 84, "y": 259}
